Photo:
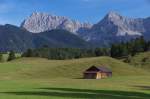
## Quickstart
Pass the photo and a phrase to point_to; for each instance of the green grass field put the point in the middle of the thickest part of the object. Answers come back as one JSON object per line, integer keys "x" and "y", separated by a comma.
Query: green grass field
{"x": 36, "y": 78}
{"x": 141, "y": 60}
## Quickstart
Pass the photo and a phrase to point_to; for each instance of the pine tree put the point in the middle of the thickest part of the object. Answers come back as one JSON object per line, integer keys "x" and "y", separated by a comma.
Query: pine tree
{"x": 98, "y": 52}
{"x": 29, "y": 53}
{"x": 11, "y": 56}
{"x": 1, "y": 57}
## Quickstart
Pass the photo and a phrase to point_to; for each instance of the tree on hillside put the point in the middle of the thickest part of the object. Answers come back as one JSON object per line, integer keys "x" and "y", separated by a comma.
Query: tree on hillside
{"x": 114, "y": 50}
{"x": 1, "y": 57}
{"x": 45, "y": 46}
{"x": 130, "y": 48}
{"x": 148, "y": 46}
{"x": 102, "y": 52}
{"x": 128, "y": 59}
{"x": 11, "y": 56}
{"x": 29, "y": 53}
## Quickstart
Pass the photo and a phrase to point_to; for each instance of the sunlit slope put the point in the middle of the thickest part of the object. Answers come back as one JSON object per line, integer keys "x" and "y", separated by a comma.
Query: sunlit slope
{"x": 36, "y": 68}
{"x": 141, "y": 60}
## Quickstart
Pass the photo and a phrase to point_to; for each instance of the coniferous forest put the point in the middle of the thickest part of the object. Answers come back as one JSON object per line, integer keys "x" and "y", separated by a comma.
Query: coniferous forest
{"x": 123, "y": 49}
{"x": 65, "y": 53}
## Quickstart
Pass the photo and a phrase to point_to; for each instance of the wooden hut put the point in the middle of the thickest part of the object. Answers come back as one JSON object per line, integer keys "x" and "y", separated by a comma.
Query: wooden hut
{"x": 97, "y": 73}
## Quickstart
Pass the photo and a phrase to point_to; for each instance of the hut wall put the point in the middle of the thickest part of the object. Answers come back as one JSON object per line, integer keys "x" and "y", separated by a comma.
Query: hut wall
{"x": 104, "y": 75}
{"x": 90, "y": 75}
{"x": 99, "y": 75}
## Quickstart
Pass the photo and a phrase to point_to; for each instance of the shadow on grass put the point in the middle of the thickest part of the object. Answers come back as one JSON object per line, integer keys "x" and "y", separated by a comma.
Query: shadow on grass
{"x": 82, "y": 93}
{"x": 143, "y": 87}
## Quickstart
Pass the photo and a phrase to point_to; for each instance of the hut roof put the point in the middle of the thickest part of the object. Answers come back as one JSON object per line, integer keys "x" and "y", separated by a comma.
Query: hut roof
{"x": 98, "y": 69}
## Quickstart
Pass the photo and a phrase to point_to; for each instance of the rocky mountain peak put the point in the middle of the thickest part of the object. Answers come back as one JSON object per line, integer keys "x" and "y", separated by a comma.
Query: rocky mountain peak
{"x": 121, "y": 25}
{"x": 112, "y": 28}
{"x": 40, "y": 14}
{"x": 40, "y": 22}
{"x": 113, "y": 14}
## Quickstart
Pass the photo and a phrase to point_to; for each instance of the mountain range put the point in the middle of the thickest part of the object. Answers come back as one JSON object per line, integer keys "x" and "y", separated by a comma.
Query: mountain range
{"x": 18, "y": 39}
{"x": 40, "y": 22}
{"x": 57, "y": 31}
{"x": 112, "y": 28}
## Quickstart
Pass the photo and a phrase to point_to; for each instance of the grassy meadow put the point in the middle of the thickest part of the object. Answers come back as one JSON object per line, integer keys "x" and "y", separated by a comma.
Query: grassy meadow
{"x": 37, "y": 78}
{"x": 141, "y": 60}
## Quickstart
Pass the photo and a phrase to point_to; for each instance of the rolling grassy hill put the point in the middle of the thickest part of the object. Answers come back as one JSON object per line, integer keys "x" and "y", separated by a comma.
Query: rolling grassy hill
{"x": 36, "y": 78}
{"x": 141, "y": 60}
{"x": 43, "y": 68}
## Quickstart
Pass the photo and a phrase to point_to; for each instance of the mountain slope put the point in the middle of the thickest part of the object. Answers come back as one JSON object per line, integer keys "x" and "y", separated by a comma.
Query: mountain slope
{"x": 115, "y": 28}
{"x": 141, "y": 60}
{"x": 119, "y": 25}
{"x": 14, "y": 38}
{"x": 59, "y": 38}
{"x": 18, "y": 39}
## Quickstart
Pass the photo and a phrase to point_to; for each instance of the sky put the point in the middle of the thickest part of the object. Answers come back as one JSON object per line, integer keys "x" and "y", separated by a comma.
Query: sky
{"x": 15, "y": 11}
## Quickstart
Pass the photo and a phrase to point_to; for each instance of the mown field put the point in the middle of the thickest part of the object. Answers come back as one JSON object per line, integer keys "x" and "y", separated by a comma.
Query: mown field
{"x": 36, "y": 78}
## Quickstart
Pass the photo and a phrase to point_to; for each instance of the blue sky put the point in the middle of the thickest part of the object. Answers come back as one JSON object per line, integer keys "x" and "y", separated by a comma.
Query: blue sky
{"x": 15, "y": 11}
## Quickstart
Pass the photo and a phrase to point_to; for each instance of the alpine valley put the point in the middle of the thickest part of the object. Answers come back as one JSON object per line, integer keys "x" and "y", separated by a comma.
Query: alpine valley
{"x": 56, "y": 31}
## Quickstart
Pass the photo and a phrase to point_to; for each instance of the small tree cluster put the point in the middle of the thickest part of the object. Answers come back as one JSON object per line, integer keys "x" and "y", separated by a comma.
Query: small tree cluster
{"x": 130, "y": 48}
